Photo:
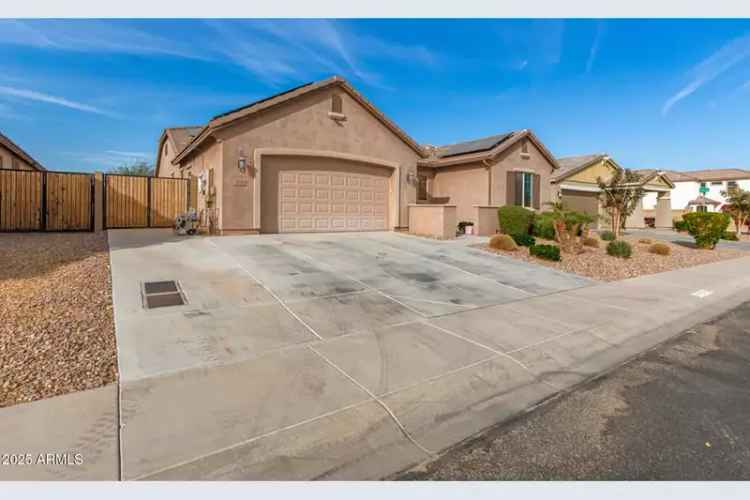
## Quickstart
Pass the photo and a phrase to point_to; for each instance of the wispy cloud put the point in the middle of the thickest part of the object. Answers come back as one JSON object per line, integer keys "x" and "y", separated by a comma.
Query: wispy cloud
{"x": 131, "y": 154}
{"x": 92, "y": 36}
{"x": 594, "y": 51}
{"x": 106, "y": 159}
{"x": 720, "y": 61}
{"x": 32, "y": 95}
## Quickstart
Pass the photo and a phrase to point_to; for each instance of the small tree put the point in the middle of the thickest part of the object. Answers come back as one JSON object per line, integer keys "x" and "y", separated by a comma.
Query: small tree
{"x": 137, "y": 168}
{"x": 621, "y": 195}
{"x": 571, "y": 228}
{"x": 737, "y": 205}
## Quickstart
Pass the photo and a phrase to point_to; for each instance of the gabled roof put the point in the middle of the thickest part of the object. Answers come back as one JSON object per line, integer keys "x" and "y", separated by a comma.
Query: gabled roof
{"x": 225, "y": 119}
{"x": 179, "y": 137}
{"x": 711, "y": 174}
{"x": 702, "y": 200}
{"x": 649, "y": 173}
{"x": 570, "y": 165}
{"x": 16, "y": 150}
{"x": 486, "y": 148}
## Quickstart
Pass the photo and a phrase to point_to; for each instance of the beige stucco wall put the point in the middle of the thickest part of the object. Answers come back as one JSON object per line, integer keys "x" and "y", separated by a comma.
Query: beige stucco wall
{"x": 7, "y": 157}
{"x": 585, "y": 202}
{"x": 463, "y": 186}
{"x": 436, "y": 221}
{"x": 487, "y": 223}
{"x": 305, "y": 124}
{"x": 206, "y": 158}
{"x": 167, "y": 153}
{"x": 589, "y": 175}
{"x": 511, "y": 160}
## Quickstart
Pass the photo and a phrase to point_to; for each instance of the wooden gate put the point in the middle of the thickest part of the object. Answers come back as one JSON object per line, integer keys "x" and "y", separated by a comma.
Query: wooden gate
{"x": 31, "y": 200}
{"x": 69, "y": 201}
{"x": 135, "y": 202}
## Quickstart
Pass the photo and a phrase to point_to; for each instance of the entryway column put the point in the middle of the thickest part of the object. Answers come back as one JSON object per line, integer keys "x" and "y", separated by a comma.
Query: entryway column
{"x": 663, "y": 210}
{"x": 636, "y": 219}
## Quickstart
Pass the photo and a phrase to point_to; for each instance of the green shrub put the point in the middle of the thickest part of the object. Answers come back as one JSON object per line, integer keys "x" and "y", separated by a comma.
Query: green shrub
{"x": 591, "y": 242}
{"x": 619, "y": 248}
{"x": 547, "y": 252}
{"x": 706, "y": 227}
{"x": 503, "y": 242}
{"x": 660, "y": 249}
{"x": 679, "y": 225}
{"x": 729, "y": 236}
{"x": 524, "y": 240}
{"x": 543, "y": 226}
{"x": 514, "y": 219}
{"x": 607, "y": 235}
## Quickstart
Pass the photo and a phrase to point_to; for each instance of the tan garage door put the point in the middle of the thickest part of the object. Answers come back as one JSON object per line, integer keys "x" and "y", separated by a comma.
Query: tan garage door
{"x": 321, "y": 201}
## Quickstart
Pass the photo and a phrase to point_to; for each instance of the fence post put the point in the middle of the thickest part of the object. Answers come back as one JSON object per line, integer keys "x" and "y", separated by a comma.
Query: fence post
{"x": 98, "y": 203}
{"x": 44, "y": 201}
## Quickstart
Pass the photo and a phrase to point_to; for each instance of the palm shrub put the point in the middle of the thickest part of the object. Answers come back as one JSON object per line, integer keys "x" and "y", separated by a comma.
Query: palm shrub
{"x": 524, "y": 240}
{"x": 571, "y": 228}
{"x": 514, "y": 219}
{"x": 547, "y": 252}
{"x": 706, "y": 227}
{"x": 619, "y": 248}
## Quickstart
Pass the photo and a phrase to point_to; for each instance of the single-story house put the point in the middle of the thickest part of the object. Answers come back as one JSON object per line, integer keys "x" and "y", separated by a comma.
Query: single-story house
{"x": 321, "y": 157}
{"x": 12, "y": 157}
{"x": 578, "y": 189}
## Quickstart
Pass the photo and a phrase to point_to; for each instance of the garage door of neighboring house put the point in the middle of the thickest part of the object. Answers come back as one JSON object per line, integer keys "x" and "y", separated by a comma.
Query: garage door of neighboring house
{"x": 583, "y": 201}
{"x": 323, "y": 201}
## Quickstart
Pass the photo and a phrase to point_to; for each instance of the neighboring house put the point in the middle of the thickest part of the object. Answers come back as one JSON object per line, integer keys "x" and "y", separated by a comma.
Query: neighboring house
{"x": 172, "y": 141}
{"x": 12, "y": 157}
{"x": 687, "y": 195}
{"x": 578, "y": 189}
{"x": 320, "y": 157}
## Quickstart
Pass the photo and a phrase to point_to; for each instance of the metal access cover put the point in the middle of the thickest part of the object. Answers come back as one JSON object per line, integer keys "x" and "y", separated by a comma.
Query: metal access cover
{"x": 162, "y": 294}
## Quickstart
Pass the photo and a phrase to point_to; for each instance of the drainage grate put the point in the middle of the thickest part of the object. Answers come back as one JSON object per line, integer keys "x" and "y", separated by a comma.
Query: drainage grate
{"x": 162, "y": 294}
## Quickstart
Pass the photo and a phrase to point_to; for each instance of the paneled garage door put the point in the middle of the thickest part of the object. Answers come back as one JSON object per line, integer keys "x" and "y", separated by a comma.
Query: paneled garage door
{"x": 311, "y": 201}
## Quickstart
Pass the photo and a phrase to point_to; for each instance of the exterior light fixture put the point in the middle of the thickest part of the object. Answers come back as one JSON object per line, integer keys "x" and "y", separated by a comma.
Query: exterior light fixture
{"x": 411, "y": 177}
{"x": 242, "y": 164}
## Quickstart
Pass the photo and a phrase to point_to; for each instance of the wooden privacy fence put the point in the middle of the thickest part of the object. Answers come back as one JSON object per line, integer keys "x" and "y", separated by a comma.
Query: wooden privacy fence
{"x": 133, "y": 201}
{"x": 46, "y": 201}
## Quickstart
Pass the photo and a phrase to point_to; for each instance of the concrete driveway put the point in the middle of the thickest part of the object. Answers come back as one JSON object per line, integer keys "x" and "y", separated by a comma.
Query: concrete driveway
{"x": 317, "y": 356}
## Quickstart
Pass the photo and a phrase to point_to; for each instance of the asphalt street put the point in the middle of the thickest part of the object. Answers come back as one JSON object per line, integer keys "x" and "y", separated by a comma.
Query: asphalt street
{"x": 679, "y": 412}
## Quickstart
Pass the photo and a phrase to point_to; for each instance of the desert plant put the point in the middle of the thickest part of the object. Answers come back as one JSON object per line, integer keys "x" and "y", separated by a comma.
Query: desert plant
{"x": 136, "y": 168}
{"x": 706, "y": 227}
{"x": 660, "y": 248}
{"x": 544, "y": 226}
{"x": 503, "y": 242}
{"x": 514, "y": 219}
{"x": 607, "y": 235}
{"x": 645, "y": 241}
{"x": 591, "y": 242}
{"x": 619, "y": 248}
{"x": 547, "y": 252}
{"x": 679, "y": 225}
{"x": 729, "y": 236}
{"x": 524, "y": 240}
{"x": 737, "y": 205}
{"x": 571, "y": 228}
{"x": 621, "y": 194}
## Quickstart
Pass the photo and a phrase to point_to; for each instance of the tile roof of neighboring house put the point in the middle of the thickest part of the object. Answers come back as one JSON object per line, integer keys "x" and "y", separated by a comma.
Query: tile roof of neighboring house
{"x": 228, "y": 117}
{"x": 702, "y": 200}
{"x": 715, "y": 174}
{"x": 572, "y": 164}
{"x": 649, "y": 173}
{"x": 474, "y": 146}
{"x": 16, "y": 149}
{"x": 181, "y": 136}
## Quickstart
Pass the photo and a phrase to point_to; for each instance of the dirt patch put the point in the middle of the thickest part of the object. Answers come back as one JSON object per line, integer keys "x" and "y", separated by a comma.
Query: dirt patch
{"x": 57, "y": 333}
{"x": 595, "y": 263}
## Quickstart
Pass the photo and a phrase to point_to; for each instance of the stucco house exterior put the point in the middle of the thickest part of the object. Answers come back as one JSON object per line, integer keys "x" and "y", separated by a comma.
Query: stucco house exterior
{"x": 577, "y": 187}
{"x": 321, "y": 157}
{"x": 687, "y": 196}
{"x": 12, "y": 157}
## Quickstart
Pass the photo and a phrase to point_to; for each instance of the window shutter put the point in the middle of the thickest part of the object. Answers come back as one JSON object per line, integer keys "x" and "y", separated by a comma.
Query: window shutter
{"x": 537, "y": 191}
{"x": 510, "y": 189}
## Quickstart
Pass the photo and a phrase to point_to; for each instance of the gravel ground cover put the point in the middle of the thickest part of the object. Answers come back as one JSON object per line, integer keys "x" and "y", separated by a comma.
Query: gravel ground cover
{"x": 595, "y": 263}
{"x": 57, "y": 331}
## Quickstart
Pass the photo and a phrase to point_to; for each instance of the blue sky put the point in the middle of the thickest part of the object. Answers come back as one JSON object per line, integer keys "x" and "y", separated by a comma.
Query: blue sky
{"x": 93, "y": 94}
